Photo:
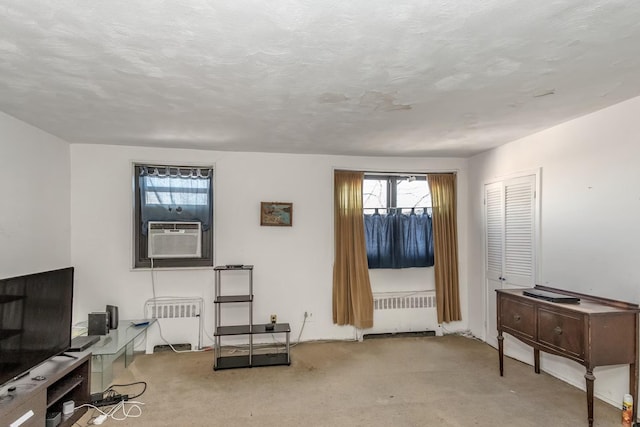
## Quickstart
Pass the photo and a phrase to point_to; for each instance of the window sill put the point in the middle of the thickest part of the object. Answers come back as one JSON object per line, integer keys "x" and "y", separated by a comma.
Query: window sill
{"x": 147, "y": 269}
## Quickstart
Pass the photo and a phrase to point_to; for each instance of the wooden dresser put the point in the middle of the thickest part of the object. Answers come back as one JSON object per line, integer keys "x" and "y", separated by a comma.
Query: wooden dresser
{"x": 594, "y": 332}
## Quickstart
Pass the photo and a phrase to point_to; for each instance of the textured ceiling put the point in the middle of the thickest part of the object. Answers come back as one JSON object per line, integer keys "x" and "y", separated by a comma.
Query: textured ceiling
{"x": 357, "y": 77}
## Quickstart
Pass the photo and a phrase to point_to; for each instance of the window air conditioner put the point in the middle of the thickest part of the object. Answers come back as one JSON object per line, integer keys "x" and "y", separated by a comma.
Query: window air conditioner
{"x": 174, "y": 239}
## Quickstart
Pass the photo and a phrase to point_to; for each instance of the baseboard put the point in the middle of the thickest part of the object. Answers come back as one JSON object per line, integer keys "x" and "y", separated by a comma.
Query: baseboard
{"x": 400, "y": 334}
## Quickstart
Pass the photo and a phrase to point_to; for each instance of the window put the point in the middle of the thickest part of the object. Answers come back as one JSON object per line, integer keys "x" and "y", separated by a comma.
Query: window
{"x": 397, "y": 220}
{"x": 173, "y": 194}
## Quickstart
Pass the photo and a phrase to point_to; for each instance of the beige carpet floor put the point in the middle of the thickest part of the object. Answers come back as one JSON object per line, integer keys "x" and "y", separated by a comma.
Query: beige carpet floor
{"x": 450, "y": 381}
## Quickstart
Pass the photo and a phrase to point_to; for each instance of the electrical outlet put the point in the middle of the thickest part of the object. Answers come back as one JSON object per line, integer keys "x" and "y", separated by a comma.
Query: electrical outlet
{"x": 274, "y": 318}
{"x": 307, "y": 316}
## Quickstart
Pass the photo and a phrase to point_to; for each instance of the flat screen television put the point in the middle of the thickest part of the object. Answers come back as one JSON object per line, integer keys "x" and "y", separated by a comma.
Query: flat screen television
{"x": 35, "y": 320}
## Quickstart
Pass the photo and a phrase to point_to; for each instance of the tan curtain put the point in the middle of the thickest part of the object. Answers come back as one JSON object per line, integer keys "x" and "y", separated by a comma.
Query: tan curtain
{"x": 445, "y": 243}
{"x": 352, "y": 297}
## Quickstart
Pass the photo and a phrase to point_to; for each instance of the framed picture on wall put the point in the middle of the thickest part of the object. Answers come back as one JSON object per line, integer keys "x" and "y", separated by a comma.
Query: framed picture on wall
{"x": 276, "y": 213}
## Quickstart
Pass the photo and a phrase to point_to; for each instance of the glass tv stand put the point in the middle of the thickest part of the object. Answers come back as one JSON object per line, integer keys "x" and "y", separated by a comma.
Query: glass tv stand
{"x": 117, "y": 343}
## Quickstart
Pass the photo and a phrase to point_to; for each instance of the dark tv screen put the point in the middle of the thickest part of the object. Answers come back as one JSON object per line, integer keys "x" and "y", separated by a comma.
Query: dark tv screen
{"x": 35, "y": 320}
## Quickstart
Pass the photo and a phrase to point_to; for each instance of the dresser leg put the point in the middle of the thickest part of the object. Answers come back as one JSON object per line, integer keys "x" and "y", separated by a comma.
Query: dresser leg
{"x": 590, "y": 379}
{"x": 536, "y": 360}
{"x": 501, "y": 352}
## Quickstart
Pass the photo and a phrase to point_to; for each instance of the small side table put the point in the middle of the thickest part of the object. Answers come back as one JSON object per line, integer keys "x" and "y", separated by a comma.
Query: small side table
{"x": 112, "y": 346}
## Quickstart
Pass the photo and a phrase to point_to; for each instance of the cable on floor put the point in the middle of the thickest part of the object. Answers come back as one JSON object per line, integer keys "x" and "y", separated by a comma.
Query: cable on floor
{"x": 112, "y": 391}
{"x": 129, "y": 409}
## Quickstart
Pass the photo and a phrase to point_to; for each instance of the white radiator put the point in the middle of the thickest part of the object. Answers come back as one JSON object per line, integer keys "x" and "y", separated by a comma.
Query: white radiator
{"x": 395, "y": 312}
{"x": 398, "y": 302}
{"x": 179, "y": 321}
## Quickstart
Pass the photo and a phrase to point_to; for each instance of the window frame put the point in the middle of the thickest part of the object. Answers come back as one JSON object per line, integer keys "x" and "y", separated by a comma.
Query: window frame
{"x": 392, "y": 187}
{"x": 392, "y": 181}
{"x": 140, "y": 241}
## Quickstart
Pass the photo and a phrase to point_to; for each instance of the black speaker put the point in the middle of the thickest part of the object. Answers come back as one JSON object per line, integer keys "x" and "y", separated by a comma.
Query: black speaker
{"x": 112, "y": 310}
{"x": 98, "y": 323}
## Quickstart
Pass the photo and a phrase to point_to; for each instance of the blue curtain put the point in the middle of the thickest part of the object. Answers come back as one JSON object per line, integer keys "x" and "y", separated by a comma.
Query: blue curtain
{"x": 398, "y": 240}
{"x": 175, "y": 194}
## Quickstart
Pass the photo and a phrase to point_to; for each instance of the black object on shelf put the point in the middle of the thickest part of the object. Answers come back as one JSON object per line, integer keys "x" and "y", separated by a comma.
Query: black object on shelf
{"x": 551, "y": 296}
{"x": 233, "y": 267}
{"x": 82, "y": 342}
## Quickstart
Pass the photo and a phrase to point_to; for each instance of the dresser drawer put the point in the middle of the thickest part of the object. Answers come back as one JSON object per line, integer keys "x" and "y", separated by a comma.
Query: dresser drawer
{"x": 36, "y": 404}
{"x": 517, "y": 317}
{"x": 562, "y": 331}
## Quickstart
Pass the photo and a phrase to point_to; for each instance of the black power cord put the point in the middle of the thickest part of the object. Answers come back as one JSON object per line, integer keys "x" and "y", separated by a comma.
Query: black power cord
{"x": 110, "y": 400}
{"x": 111, "y": 392}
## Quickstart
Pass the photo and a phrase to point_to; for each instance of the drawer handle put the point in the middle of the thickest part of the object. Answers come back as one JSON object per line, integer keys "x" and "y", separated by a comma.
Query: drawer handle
{"x": 516, "y": 317}
{"x": 557, "y": 330}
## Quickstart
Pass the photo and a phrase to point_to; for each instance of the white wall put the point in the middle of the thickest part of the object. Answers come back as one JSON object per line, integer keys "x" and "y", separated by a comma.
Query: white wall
{"x": 35, "y": 203}
{"x": 590, "y": 227}
{"x": 293, "y": 266}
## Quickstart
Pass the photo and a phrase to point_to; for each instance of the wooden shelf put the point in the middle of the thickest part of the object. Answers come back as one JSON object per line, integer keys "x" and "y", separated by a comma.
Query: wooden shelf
{"x": 278, "y": 328}
{"x": 256, "y": 329}
{"x": 62, "y": 387}
{"x": 257, "y": 360}
{"x": 233, "y": 267}
{"x": 270, "y": 359}
{"x": 233, "y": 298}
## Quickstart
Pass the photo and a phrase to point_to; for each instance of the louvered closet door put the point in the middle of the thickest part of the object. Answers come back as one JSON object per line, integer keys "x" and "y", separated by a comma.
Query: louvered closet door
{"x": 494, "y": 254}
{"x": 519, "y": 232}
{"x": 494, "y": 224}
{"x": 510, "y": 247}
